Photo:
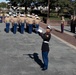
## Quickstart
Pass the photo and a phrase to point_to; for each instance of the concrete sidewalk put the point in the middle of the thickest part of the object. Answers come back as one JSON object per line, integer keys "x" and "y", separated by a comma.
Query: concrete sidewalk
{"x": 17, "y": 55}
{"x": 67, "y": 36}
{"x": 66, "y": 30}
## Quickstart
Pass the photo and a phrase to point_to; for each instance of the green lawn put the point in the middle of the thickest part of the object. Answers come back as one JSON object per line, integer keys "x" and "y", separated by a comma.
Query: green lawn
{"x": 57, "y": 18}
{"x": 53, "y": 16}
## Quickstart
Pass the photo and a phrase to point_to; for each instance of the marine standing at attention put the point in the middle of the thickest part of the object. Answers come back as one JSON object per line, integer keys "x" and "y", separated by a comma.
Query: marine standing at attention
{"x": 14, "y": 23}
{"x": 22, "y": 23}
{"x": 71, "y": 23}
{"x": 7, "y": 21}
{"x": 62, "y": 24}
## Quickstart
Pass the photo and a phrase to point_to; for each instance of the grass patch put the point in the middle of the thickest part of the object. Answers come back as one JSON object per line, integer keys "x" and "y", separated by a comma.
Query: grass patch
{"x": 54, "y": 16}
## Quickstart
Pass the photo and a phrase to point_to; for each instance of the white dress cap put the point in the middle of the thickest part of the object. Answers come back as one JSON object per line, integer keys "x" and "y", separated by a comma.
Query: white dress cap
{"x": 28, "y": 15}
{"x": 22, "y": 15}
{"x": 14, "y": 15}
{"x": 49, "y": 27}
{"x": 36, "y": 15}
{"x": 37, "y": 18}
{"x": 7, "y": 15}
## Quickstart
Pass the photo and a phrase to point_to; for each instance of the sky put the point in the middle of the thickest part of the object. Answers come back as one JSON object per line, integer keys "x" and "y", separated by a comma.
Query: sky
{"x": 3, "y": 1}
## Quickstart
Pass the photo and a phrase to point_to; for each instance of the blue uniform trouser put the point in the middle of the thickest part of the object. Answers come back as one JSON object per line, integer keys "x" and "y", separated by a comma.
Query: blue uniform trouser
{"x": 30, "y": 28}
{"x": 22, "y": 28}
{"x": 37, "y": 27}
{"x": 45, "y": 59}
{"x": 62, "y": 28}
{"x": 0, "y": 19}
{"x": 7, "y": 27}
{"x": 14, "y": 28}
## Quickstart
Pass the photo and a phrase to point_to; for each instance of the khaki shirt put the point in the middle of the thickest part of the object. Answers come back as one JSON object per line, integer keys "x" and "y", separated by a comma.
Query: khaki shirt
{"x": 33, "y": 17}
{"x": 14, "y": 20}
{"x": 31, "y": 20}
{"x": 26, "y": 19}
{"x": 62, "y": 21}
{"x": 7, "y": 20}
{"x": 22, "y": 19}
{"x": 1, "y": 15}
{"x": 11, "y": 19}
{"x": 18, "y": 19}
{"x": 37, "y": 21}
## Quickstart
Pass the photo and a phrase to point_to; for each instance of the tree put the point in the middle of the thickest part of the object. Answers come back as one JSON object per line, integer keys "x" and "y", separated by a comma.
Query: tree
{"x": 3, "y": 5}
{"x": 21, "y": 3}
{"x": 63, "y": 4}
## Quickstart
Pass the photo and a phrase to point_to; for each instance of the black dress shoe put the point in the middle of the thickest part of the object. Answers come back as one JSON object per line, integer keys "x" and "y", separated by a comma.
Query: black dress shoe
{"x": 44, "y": 69}
{"x": 42, "y": 65}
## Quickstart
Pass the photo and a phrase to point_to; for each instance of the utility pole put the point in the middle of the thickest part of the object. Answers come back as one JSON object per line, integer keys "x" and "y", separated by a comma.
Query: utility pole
{"x": 74, "y": 13}
{"x": 48, "y": 12}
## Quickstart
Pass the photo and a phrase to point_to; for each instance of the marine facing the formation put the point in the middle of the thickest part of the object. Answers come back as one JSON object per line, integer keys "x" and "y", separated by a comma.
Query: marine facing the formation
{"x": 45, "y": 46}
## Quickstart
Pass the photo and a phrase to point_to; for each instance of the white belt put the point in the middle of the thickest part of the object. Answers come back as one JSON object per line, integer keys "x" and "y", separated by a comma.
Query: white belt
{"x": 45, "y": 41}
{"x": 15, "y": 22}
{"x": 7, "y": 22}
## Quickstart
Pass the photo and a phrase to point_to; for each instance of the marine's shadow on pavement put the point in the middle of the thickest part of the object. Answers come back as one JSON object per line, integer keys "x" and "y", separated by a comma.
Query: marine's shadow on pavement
{"x": 67, "y": 30}
{"x": 57, "y": 30}
{"x": 36, "y": 59}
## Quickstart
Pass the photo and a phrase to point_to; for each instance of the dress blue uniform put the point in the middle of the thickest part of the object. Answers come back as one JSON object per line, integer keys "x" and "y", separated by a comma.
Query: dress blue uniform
{"x": 45, "y": 48}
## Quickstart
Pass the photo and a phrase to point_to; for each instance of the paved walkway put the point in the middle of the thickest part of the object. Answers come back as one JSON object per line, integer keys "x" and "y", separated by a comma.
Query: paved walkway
{"x": 66, "y": 36}
{"x": 66, "y": 30}
{"x": 18, "y": 52}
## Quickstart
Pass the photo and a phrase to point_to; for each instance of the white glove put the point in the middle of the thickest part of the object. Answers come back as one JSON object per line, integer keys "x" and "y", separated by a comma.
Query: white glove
{"x": 39, "y": 30}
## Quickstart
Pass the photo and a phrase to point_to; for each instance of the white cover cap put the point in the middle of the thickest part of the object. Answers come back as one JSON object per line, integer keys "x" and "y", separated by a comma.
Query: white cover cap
{"x": 22, "y": 15}
{"x": 36, "y": 15}
{"x": 49, "y": 27}
{"x": 28, "y": 15}
{"x": 7, "y": 15}
{"x": 14, "y": 15}
{"x": 37, "y": 18}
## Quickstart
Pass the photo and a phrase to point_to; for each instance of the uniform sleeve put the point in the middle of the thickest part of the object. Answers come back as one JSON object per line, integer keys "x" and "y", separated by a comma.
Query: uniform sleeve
{"x": 46, "y": 37}
{"x": 5, "y": 20}
{"x": 41, "y": 34}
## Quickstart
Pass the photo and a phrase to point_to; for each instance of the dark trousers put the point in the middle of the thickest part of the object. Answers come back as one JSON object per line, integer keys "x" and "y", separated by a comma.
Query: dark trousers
{"x": 14, "y": 28}
{"x": 62, "y": 28}
{"x": 0, "y": 19}
{"x": 30, "y": 28}
{"x": 37, "y": 27}
{"x": 7, "y": 27}
{"x": 45, "y": 58}
{"x": 73, "y": 28}
{"x": 22, "y": 28}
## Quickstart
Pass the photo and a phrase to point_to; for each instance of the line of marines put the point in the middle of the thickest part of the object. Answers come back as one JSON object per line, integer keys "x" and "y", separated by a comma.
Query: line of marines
{"x": 22, "y": 21}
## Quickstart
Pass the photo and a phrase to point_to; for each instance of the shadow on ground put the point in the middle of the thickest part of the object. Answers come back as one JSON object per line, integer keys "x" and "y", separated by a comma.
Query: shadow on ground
{"x": 57, "y": 31}
{"x": 36, "y": 58}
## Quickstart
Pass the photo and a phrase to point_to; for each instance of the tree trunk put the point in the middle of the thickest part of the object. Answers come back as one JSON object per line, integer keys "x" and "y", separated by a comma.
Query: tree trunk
{"x": 48, "y": 12}
{"x": 26, "y": 9}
